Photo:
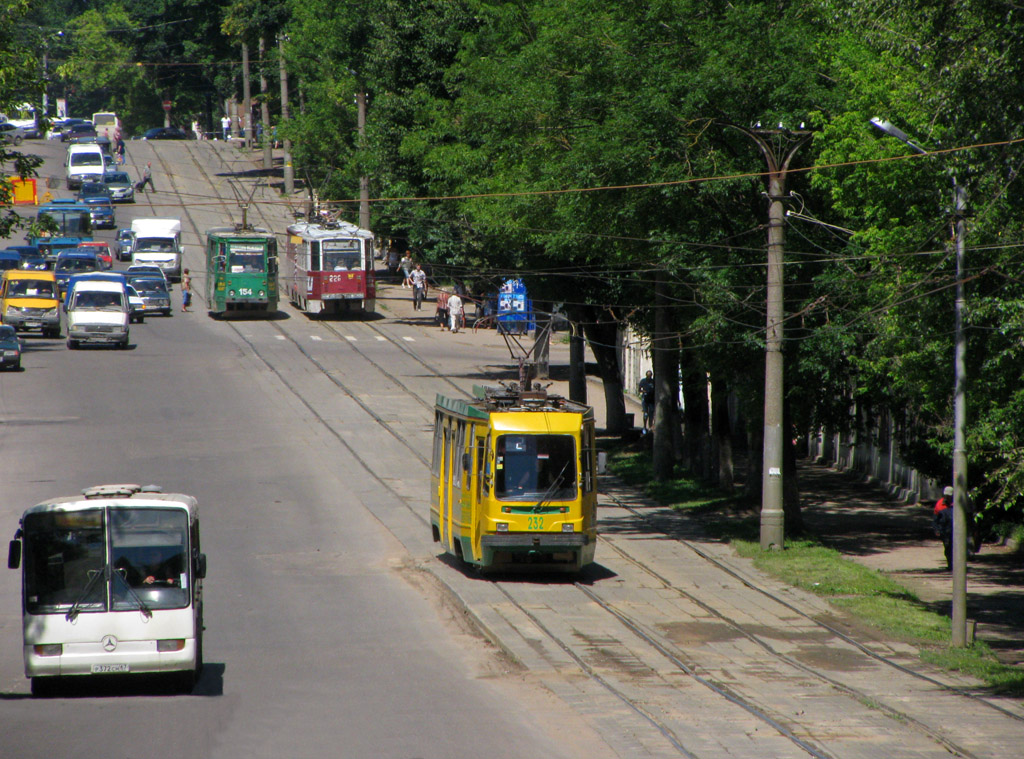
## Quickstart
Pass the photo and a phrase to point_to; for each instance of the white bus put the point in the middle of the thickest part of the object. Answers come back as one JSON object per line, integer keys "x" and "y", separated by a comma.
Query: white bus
{"x": 111, "y": 584}
{"x": 107, "y": 124}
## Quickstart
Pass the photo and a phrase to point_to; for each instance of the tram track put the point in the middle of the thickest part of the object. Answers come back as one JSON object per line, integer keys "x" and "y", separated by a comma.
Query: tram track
{"x": 510, "y": 590}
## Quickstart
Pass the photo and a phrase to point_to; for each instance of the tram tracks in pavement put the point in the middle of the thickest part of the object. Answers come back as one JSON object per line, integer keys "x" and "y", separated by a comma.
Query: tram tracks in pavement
{"x": 635, "y": 627}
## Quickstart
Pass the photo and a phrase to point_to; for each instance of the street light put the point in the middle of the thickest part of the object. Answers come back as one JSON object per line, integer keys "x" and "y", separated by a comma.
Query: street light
{"x": 959, "y": 611}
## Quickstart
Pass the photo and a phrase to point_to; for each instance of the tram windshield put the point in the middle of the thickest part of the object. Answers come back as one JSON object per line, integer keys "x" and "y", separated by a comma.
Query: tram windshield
{"x": 98, "y": 560}
{"x": 341, "y": 255}
{"x": 535, "y": 468}
{"x": 242, "y": 262}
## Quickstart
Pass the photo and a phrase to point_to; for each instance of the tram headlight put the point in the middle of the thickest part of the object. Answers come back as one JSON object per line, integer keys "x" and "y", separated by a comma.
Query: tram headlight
{"x": 49, "y": 649}
{"x": 501, "y": 527}
{"x": 263, "y": 294}
{"x": 231, "y": 293}
{"x": 568, "y": 527}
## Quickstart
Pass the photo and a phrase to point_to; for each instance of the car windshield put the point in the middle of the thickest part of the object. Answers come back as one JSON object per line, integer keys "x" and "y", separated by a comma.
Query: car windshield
{"x": 86, "y": 159}
{"x": 150, "y": 286}
{"x": 7, "y": 332}
{"x": 103, "y": 301}
{"x": 98, "y": 201}
{"x": 118, "y": 177}
{"x": 30, "y": 288}
{"x": 76, "y": 264}
{"x": 154, "y": 244}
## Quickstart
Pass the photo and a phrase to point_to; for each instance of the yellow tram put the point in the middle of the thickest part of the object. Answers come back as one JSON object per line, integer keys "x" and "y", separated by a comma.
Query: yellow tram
{"x": 514, "y": 479}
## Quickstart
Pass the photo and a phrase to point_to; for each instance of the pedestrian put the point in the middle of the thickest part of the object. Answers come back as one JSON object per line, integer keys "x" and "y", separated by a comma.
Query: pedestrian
{"x": 406, "y": 265}
{"x": 186, "y": 290}
{"x": 942, "y": 523}
{"x": 147, "y": 179}
{"x": 418, "y": 279}
{"x": 646, "y": 391}
{"x": 442, "y": 309}
{"x": 455, "y": 311}
{"x": 119, "y": 149}
{"x": 225, "y": 126}
{"x": 195, "y": 130}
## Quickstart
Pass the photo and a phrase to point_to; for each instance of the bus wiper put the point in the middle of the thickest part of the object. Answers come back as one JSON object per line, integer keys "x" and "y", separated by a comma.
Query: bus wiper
{"x": 555, "y": 484}
{"x": 143, "y": 606}
{"x": 95, "y": 574}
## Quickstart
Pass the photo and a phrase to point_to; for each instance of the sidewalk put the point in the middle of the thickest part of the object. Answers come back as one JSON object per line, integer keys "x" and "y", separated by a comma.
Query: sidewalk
{"x": 855, "y": 517}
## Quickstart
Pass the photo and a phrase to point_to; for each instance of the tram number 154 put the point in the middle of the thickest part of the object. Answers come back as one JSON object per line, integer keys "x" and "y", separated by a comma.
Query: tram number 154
{"x": 245, "y": 291}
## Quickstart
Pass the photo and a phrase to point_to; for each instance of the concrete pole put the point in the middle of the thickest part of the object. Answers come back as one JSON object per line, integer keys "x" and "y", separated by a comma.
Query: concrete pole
{"x": 268, "y": 146}
{"x": 960, "y": 531}
{"x": 246, "y": 96}
{"x": 364, "y": 180}
{"x": 289, "y": 170}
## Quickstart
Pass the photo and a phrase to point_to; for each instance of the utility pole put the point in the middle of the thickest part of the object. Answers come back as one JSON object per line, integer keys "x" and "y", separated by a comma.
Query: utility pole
{"x": 958, "y": 636}
{"x": 364, "y": 180}
{"x": 778, "y": 146}
{"x": 289, "y": 170}
{"x": 246, "y": 97}
{"x": 268, "y": 145}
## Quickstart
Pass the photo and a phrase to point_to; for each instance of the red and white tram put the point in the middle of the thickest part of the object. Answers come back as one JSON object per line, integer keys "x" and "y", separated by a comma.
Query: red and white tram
{"x": 329, "y": 267}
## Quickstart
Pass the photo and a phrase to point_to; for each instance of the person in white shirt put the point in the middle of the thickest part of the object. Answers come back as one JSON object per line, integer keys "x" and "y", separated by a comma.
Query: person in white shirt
{"x": 455, "y": 311}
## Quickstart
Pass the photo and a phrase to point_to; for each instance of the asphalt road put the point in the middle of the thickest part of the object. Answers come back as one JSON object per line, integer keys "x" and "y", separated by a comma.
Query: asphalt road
{"x": 321, "y": 638}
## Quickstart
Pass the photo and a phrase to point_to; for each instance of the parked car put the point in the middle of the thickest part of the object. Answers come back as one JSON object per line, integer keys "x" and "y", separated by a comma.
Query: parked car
{"x": 121, "y": 187}
{"x": 60, "y": 127}
{"x": 11, "y": 134}
{"x": 168, "y": 133}
{"x": 10, "y": 348}
{"x": 124, "y": 240}
{"x": 154, "y": 293}
{"x": 102, "y": 211}
{"x": 10, "y": 259}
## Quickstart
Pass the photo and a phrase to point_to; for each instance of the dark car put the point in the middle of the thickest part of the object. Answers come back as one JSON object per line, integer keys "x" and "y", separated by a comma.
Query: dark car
{"x": 10, "y": 348}
{"x": 125, "y": 237}
{"x": 63, "y": 125}
{"x": 78, "y": 130}
{"x": 101, "y": 209}
{"x": 168, "y": 133}
{"x": 154, "y": 293}
{"x": 95, "y": 190}
{"x": 10, "y": 259}
{"x": 120, "y": 185}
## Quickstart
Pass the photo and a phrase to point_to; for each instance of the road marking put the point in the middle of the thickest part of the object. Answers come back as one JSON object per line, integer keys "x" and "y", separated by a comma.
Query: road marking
{"x": 315, "y": 337}
{"x": 280, "y": 337}
{"x": 409, "y": 339}
{"x": 351, "y": 338}
{"x": 380, "y": 338}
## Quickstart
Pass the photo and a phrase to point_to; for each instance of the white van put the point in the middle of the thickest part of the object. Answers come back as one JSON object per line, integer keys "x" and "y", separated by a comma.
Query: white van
{"x": 158, "y": 243}
{"x": 98, "y": 312}
{"x": 84, "y": 163}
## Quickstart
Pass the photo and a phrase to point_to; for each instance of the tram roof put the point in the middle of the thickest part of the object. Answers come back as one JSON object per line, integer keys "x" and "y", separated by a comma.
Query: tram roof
{"x": 236, "y": 232}
{"x": 491, "y": 400}
{"x": 119, "y": 495}
{"x": 317, "y": 231}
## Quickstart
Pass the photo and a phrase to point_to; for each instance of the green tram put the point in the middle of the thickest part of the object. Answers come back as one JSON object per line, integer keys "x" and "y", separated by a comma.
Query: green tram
{"x": 241, "y": 270}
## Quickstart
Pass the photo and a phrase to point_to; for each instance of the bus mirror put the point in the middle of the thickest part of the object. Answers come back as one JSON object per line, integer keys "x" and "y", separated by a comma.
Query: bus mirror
{"x": 14, "y": 554}
{"x": 201, "y": 566}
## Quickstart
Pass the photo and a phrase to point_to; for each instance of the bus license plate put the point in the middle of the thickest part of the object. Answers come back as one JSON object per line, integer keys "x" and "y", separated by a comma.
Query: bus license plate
{"x": 106, "y": 669}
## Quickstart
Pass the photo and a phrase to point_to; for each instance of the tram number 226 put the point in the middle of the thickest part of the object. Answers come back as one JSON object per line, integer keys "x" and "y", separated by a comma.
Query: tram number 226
{"x": 535, "y": 523}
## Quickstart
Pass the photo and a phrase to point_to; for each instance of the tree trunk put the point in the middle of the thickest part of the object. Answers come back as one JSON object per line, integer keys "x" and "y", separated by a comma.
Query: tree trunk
{"x": 268, "y": 154}
{"x": 602, "y": 334}
{"x": 663, "y": 359}
{"x": 721, "y": 431}
{"x": 794, "y": 520}
{"x": 695, "y": 420}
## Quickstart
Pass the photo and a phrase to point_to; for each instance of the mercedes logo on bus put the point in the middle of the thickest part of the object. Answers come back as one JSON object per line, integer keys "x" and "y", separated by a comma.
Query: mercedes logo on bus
{"x": 109, "y": 642}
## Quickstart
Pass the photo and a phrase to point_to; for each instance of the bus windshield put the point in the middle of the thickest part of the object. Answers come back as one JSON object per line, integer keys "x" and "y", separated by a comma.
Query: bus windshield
{"x": 535, "y": 467}
{"x": 69, "y": 223}
{"x": 98, "y": 560}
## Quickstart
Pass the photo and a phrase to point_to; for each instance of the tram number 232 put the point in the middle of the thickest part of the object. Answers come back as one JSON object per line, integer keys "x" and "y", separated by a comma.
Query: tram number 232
{"x": 535, "y": 523}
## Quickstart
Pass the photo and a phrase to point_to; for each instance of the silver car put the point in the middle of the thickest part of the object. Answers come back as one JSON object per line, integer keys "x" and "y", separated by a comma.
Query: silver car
{"x": 154, "y": 294}
{"x": 11, "y": 134}
{"x": 122, "y": 190}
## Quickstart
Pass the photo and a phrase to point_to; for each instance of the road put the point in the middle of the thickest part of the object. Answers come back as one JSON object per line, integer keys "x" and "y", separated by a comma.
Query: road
{"x": 322, "y": 637}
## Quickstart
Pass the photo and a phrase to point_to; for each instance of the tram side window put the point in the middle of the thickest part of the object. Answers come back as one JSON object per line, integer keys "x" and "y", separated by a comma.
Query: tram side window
{"x": 460, "y": 447}
{"x": 314, "y": 255}
{"x": 587, "y": 463}
{"x": 435, "y": 463}
{"x": 528, "y": 467}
